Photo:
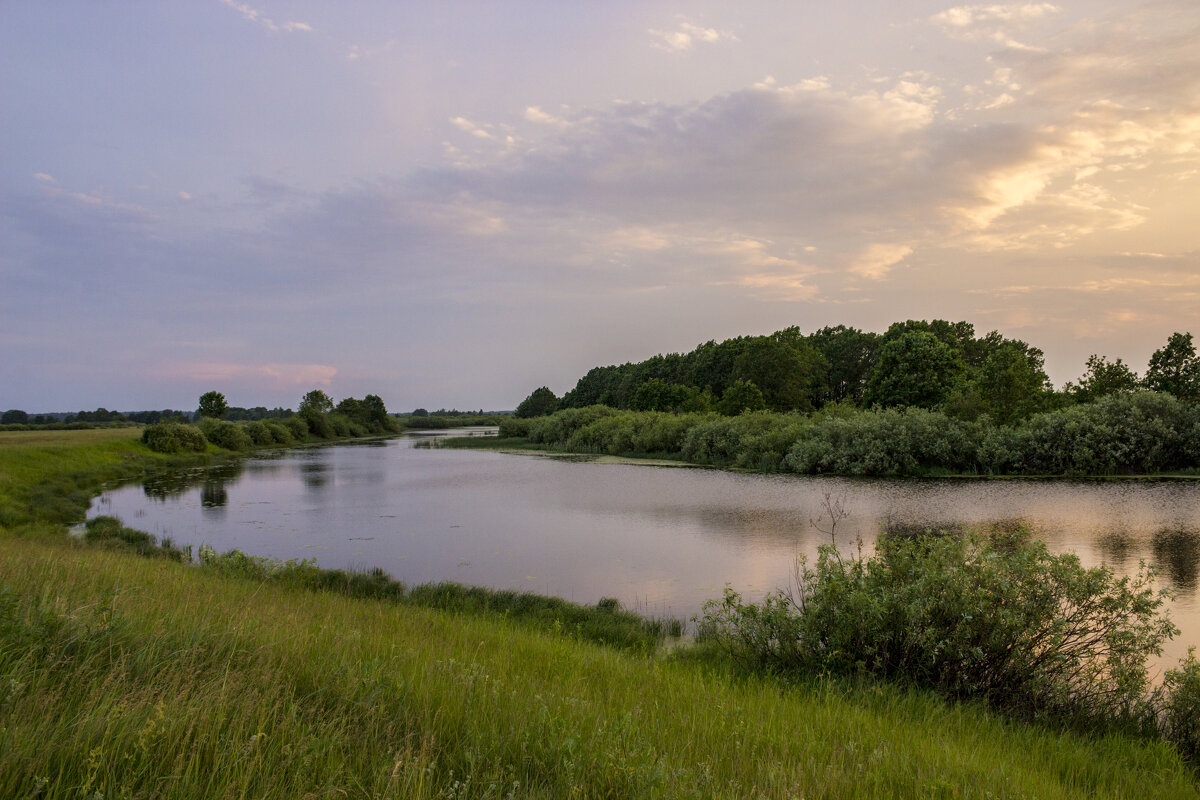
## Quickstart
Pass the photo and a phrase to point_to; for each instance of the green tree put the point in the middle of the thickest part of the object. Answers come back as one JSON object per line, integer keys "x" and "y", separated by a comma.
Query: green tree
{"x": 317, "y": 401}
{"x": 914, "y": 369}
{"x": 213, "y": 405}
{"x": 374, "y": 411}
{"x": 1012, "y": 382}
{"x": 1175, "y": 368}
{"x": 851, "y": 354}
{"x": 539, "y": 403}
{"x": 741, "y": 396}
{"x": 14, "y": 416}
{"x": 1104, "y": 377}
{"x": 791, "y": 377}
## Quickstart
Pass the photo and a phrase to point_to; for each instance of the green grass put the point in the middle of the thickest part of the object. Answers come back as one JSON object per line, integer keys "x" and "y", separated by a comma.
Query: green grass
{"x": 137, "y": 677}
{"x": 124, "y": 676}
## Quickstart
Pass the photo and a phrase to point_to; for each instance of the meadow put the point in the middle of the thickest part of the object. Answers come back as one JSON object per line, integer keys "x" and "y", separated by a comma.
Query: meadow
{"x": 125, "y": 676}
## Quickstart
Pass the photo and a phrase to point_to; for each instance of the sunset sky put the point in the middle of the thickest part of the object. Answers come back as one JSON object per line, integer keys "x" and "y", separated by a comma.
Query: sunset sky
{"x": 451, "y": 204}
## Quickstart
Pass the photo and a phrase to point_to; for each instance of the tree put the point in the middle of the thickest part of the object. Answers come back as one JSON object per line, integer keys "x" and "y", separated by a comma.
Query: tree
{"x": 791, "y": 377}
{"x": 914, "y": 369}
{"x": 316, "y": 401}
{"x": 1175, "y": 368}
{"x": 539, "y": 403}
{"x": 212, "y": 404}
{"x": 1104, "y": 377}
{"x": 741, "y": 396}
{"x": 851, "y": 354}
{"x": 14, "y": 416}
{"x": 1012, "y": 382}
{"x": 375, "y": 411}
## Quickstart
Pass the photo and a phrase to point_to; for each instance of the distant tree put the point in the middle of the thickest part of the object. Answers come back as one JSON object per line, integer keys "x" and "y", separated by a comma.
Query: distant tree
{"x": 316, "y": 401}
{"x": 213, "y": 405}
{"x": 1104, "y": 377}
{"x": 741, "y": 396}
{"x": 1175, "y": 368}
{"x": 539, "y": 403}
{"x": 420, "y": 412}
{"x": 14, "y": 416}
{"x": 1012, "y": 382}
{"x": 914, "y": 369}
{"x": 851, "y": 354}
{"x": 375, "y": 411}
{"x": 351, "y": 408}
{"x": 791, "y": 377}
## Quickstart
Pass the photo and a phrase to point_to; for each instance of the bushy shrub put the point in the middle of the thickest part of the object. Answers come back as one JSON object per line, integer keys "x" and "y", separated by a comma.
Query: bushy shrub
{"x": 174, "y": 437}
{"x": 511, "y": 427}
{"x": 1179, "y": 707}
{"x": 279, "y": 433}
{"x": 1122, "y": 433}
{"x": 753, "y": 440}
{"x": 259, "y": 433}
{"x": 297, "y": 426}
{"x": 887, "y": 442}
{"x": 558, "y": 427}
{"x": 339, "y": 424}
{"x": 1000, "y": 620}
{"x": 226, "y": 434}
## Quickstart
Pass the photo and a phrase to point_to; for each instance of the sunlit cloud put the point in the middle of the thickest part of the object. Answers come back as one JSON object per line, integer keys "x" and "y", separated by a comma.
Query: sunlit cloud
{"x": 254, "y": 15}
{"x": 686, "y": 36}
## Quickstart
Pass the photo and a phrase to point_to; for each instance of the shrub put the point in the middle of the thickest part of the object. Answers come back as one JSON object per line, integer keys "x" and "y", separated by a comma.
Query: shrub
{"x": 511, "y": 427}
{"x": 279, "y": 433}
{"x": 259, "y": 433}
{"x": 226, "y": 434}
{"x": 297, "y": 426}
{"x": 996, "y": 619}
{"x": 753, "y": 440}
{"x": 1179, "y": 703}
{"x": 1121, "y": 433}
{"x": 558, "y": 427}
{"x": 174, "y": 437}
{"x": 887, "y": 442}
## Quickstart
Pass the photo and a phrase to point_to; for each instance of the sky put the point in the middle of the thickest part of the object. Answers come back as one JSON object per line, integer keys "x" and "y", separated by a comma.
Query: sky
{"x": 451, "y": 204}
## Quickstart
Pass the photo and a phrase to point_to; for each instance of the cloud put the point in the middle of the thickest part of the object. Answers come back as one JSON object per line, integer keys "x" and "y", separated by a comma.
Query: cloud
{"x": 41, "y": 176}
{"x": 273, "y": 376}
{"x": 877, "y": 260}
{"x": 993, "y": 23}
{"x": 686, "y": 36}
{"x": 254, "y": 15}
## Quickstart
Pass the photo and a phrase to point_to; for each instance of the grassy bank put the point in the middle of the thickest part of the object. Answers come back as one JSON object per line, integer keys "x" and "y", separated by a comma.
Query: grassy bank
{"x": 122, "y": 676}
{"x": 135, "y": 677}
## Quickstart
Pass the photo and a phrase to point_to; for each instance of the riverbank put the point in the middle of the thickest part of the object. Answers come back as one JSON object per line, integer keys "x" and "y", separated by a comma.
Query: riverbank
{"x": 134, "y": 676}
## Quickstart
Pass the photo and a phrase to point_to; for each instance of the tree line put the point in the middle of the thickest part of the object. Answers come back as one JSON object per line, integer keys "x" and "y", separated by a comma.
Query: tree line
{"x": 934, "y": 365}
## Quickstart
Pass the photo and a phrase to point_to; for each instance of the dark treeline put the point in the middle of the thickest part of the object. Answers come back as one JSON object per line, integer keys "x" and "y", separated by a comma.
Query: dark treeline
{"x": 935, "y": 365}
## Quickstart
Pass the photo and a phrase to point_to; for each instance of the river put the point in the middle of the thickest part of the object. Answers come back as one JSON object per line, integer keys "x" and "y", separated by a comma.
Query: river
{"x": 661, "y": 540}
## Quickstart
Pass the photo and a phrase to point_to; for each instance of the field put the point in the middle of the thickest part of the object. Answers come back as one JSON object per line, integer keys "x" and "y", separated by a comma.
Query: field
{"x": 123, "y": 676}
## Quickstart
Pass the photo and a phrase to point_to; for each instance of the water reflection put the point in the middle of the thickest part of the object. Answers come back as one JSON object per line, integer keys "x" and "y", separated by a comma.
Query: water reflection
{"x": 1177, "y": 554}
{"x": 173, "y": 483}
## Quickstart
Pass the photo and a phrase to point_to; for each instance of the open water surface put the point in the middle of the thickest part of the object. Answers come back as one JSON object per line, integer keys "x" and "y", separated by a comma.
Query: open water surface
{"x": 661, "y": 540}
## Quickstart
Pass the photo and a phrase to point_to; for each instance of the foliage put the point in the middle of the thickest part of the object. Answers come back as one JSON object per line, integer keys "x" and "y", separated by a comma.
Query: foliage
{"x": 212, "y": 405}
{"x": 791, "y": 375}
{"x": 174, "y": 437}
{"x": 1012, "y": 382}
{"x": 511, "y": 427}
{"x": 1102, "y": 378}
{"x": 1144, "y": 432}
{"x": 998, "y": 619}
{"x": 850, "y": 355}
{"x": 1178, "y": 701}
{"x": 907, "y": 441}
{"x": 558, "y": 427}
{"x": 914, "y": 369}
{"x": 316, "y": 401}
{"x": 226, "y": 434}
{"x": 1175, "y": 368}
{"x": 741, "y": 396}
{"x": 14, "y": 416}
{"x": 539, "y": 403}
{"x": 754, "y": 440}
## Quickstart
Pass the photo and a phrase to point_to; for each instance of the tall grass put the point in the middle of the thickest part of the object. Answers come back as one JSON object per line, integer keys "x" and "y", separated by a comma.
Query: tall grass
{"x": 130, "y": 677}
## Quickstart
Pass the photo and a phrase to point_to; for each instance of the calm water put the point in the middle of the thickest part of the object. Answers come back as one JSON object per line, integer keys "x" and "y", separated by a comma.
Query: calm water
{"x": 661, "y": 540}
